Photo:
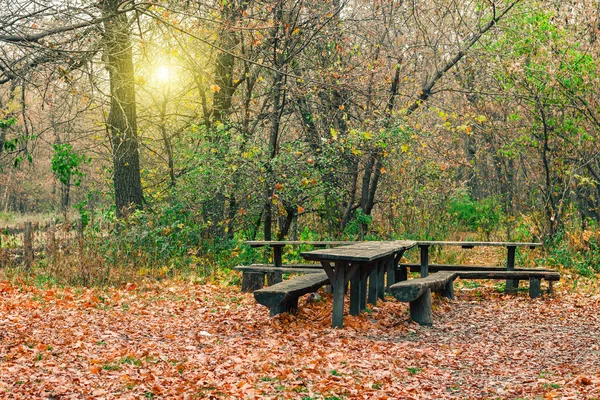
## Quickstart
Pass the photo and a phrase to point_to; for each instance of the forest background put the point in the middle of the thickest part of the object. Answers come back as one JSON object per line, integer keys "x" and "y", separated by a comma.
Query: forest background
{"x": 177, "y": 129}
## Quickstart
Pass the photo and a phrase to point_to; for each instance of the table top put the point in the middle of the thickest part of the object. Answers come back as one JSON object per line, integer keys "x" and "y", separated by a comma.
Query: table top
{"x": 473, "y": 244}
{"x": 274, "y": 243}
{"x": 360, "y": 252}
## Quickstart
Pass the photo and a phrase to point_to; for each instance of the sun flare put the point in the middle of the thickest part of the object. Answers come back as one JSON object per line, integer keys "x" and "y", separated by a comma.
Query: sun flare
{"x": 162, "y": 74}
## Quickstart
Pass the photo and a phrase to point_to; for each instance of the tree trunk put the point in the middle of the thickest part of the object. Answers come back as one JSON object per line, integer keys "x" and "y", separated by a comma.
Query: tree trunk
{"x": 65, "y": 193}
{"x": 275, "y": 123}
{"x": 122, "y": 117}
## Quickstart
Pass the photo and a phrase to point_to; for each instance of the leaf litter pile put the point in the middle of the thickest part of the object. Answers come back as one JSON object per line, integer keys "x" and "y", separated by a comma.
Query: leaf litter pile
{"x": 183, "y": 340}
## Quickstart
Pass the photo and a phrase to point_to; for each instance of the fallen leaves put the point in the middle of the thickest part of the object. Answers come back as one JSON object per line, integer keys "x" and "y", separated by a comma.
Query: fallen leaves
{"x": 177, "y": 340}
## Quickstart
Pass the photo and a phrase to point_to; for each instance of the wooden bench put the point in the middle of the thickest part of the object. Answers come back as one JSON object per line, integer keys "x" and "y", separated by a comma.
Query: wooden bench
{"x": 534, "y": 275}
{"x": 253, "y": 276}
{"x": 283, "y": 297}
{"x": 417, "y": 291}
{"x": 482, "y": 272}
{"x": 511, "y": 285}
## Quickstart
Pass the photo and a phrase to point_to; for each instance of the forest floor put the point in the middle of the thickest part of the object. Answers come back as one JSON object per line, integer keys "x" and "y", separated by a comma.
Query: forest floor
{"x": 178, "y": 339}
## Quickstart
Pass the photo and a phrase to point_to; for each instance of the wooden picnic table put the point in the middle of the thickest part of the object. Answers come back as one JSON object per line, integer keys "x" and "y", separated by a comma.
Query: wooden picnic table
{"x": 355, "y": 263}
{"x": 511, "y": 284}
{"x": 278, "y": 245}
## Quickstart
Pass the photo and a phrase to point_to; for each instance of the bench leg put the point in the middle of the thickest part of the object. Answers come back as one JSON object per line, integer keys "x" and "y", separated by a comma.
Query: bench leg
{"x": 448, "y": 291}
{"x": 550, "y": 285}
{"x": 512, "y": 286}
{"x": 535, "y": 287}
{"x": 252, "y": 280}
{"x": 289, "y": 306}
{"x": 420, "y": 309}
{"x": 274, "y": 277}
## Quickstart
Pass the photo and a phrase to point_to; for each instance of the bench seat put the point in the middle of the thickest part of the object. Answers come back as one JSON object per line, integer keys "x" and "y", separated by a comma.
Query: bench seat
{"x": 283, "y": 297}
{"x": 417, "y": 293}
{"x": 457, "y": 267}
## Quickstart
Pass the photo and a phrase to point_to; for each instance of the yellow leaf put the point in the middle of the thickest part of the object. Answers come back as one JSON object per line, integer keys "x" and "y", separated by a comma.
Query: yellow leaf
{"x": 334, "y": 133}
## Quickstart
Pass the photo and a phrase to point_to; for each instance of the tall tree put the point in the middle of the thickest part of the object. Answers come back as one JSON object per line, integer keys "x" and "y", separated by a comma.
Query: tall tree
{"x": 122, "y": 117}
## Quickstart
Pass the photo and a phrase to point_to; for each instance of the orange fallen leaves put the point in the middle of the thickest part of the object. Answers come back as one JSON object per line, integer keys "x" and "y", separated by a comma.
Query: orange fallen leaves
{"x": 177, "y": 340}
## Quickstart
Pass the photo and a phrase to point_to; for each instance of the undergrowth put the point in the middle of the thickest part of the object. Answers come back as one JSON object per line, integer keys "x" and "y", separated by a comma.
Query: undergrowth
{"x": 175, "y": 242}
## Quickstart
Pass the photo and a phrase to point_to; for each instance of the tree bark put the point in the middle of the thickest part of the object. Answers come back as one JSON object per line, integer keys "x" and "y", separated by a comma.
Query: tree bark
{"x": 122, "y": 118}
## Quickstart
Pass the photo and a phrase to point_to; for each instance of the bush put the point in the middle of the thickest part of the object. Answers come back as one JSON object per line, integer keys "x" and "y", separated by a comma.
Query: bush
{"x": 483, "y": 215}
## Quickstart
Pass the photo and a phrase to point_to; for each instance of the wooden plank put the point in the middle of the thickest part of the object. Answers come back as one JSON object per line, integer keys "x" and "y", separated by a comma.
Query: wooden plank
{"x": 521, "y": 274}
{"x": 360, "y": 252}
{"x": 454, "y": 267}
{"x": 313, "y": 266}
{"x": 284, "y": 270}
{"x": 273, "y": 243}
{"x": 473, "y": 244}
{"x": 412, "y": 289}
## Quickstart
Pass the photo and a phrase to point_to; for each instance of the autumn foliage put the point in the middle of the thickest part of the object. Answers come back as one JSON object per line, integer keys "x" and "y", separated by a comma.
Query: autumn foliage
{"x": 183, "y": 340}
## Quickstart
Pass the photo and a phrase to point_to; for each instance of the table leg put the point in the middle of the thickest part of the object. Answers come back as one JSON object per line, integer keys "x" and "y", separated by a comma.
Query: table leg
{"x": 339, "y": 282}
{"x": 364, "y": 274}
{"x": 393, "y": 274}
{"x": 390, "y": 270}
{"x": 424, "y": 260}
{"x": 373, "y": 285}
{"x": 355, "y": 293}
{"x": 381, "y": 266}
{"x": 512, "y": 285}
{"x": 401, "y": 274}
{"x": 277, "y": 258}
